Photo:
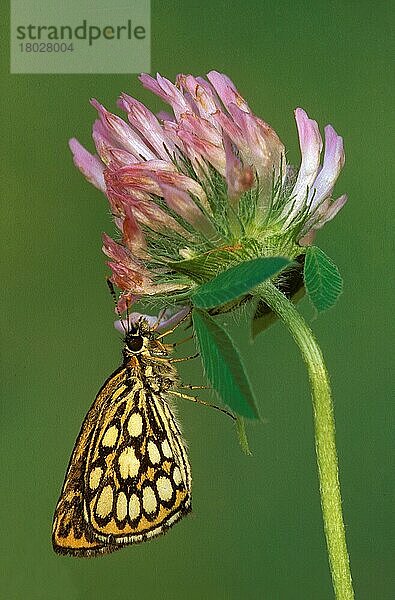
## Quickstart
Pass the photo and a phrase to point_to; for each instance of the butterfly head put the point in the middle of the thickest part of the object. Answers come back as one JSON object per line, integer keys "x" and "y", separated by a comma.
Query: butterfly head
{"x": 137, "y": 338}
{"x": 141, "y": 340}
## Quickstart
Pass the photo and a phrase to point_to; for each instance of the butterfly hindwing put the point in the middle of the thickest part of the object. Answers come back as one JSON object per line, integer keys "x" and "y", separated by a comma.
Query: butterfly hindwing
{"x": 137, "y": 476}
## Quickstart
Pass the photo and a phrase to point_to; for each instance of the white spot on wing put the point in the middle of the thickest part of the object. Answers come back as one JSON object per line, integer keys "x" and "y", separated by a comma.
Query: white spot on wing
{"x": 153, "y": 453}
{"x": 134, "y": 507}
{"x": 177, "y": 476}
{"x": 94, "y": 478}
{"x": 128, "y": 463}
{"x": 110, "y": 437}
{"x": 166, "y": 449}
{"x": 122, "y": 506}
{"x": 104, "y": 503}
{"x": 135, "y": 425}
{"x": 165, "y": 488}
{"x": 149, "y": 500}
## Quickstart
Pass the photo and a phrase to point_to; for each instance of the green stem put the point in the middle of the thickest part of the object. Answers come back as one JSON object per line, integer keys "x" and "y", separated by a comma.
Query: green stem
{"x": 325, "y": 445}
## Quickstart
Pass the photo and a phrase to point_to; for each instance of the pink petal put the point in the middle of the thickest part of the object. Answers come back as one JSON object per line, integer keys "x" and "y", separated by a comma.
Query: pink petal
{"x": 122, "y": 134}
{"x": 333, "y": 209}
{"x": 148, "y": 125}
{"x": 125, "y": 300}
{"x": 183, "y": 182}
{"x": 257, "y": 142}
{"x": 118, "y": 252}
{"x": 180, "y": 201}
{"x": 210, "y": 90}
{"x": 89, "y": 165}
{"x": 231, "y": 128}
{"x": 196, "y": 137}
{"x": 333, "y": 163}
{"x": 107, "y": 147}
{"x": 162, "y": 115}
{"x": 325, "y": 212}
{"x": 127, "y": 272}
{"x": 166, "y": 90}
{"x": 328, "y": 210}
{"x": 172, "y": 131}
{"x": 239, "y": 178}
{"x": 139, "y": 176}
{"x": 308, "y": 238}
{"x": 133, "y": 237}
{"x": 146, "y": 177}
{"x": 226, "y": 90}
{"x": 201, "y": 128}
{"x": 310, "y": 146}
{"x": 145, "y": 211}
{"x": 127, "y": 279}
{"x": 202, "y": 95}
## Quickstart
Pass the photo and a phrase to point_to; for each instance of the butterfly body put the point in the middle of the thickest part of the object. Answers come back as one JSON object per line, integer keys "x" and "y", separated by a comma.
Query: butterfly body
{"x": 129, "y": 476}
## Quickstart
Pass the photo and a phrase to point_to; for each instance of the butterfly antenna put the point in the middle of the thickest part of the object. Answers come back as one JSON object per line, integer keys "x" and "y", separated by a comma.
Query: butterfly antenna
{"x": 127, "y": 315}
{"x": 114, "y": 297}
{"x": 159, "y": 319}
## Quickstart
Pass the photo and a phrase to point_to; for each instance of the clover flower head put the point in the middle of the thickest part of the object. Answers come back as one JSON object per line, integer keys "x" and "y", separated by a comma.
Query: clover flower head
{"x": 203, "y": 188}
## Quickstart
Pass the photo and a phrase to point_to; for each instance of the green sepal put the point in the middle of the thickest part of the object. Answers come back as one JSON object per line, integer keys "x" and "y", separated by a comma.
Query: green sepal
{"x": 204, "y": 267}
{"x": 222, "y": 365}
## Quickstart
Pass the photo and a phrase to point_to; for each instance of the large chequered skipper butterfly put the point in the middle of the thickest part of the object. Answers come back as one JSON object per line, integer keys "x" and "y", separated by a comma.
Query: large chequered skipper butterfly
{"x": 129, "y": 477}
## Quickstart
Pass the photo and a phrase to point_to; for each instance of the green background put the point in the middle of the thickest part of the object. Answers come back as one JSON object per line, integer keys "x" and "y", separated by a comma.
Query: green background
{"x": 256, "y": 530}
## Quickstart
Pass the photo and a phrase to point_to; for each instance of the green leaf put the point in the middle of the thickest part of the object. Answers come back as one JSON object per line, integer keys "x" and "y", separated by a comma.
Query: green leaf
{"x": 241, "y": 434}
{"x": 237, "y": 281}
{"x": 322, "y": 279}
{"x": 222, "y": 365}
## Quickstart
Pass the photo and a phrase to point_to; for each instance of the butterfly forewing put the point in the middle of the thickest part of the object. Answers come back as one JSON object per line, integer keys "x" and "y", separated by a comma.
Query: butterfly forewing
{"x": 71, "y": 534}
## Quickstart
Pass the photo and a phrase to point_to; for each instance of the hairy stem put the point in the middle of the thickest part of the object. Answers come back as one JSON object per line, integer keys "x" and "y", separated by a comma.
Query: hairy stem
{"x": 325, "y": 445}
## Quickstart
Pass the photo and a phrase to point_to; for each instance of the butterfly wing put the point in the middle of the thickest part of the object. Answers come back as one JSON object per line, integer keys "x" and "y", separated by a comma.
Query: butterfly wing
{"x": 71, "y": 533}
{"x": 137, "y": 476}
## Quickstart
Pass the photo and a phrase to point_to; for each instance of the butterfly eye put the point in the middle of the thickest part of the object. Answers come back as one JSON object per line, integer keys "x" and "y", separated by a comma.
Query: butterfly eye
{"x": 135, "y": 343}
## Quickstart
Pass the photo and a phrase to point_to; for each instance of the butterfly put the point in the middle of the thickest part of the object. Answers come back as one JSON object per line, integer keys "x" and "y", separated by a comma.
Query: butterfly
{"x": 129, "y": 477}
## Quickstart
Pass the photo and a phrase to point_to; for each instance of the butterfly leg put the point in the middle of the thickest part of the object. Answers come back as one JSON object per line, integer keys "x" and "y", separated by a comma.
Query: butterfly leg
{"x": 176, "y": 360}
{"x": 169, "y": 331}
{"x": 195, "y": 387}
{"x": 190, "y": 337}
{"x": 198, "y": 401}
